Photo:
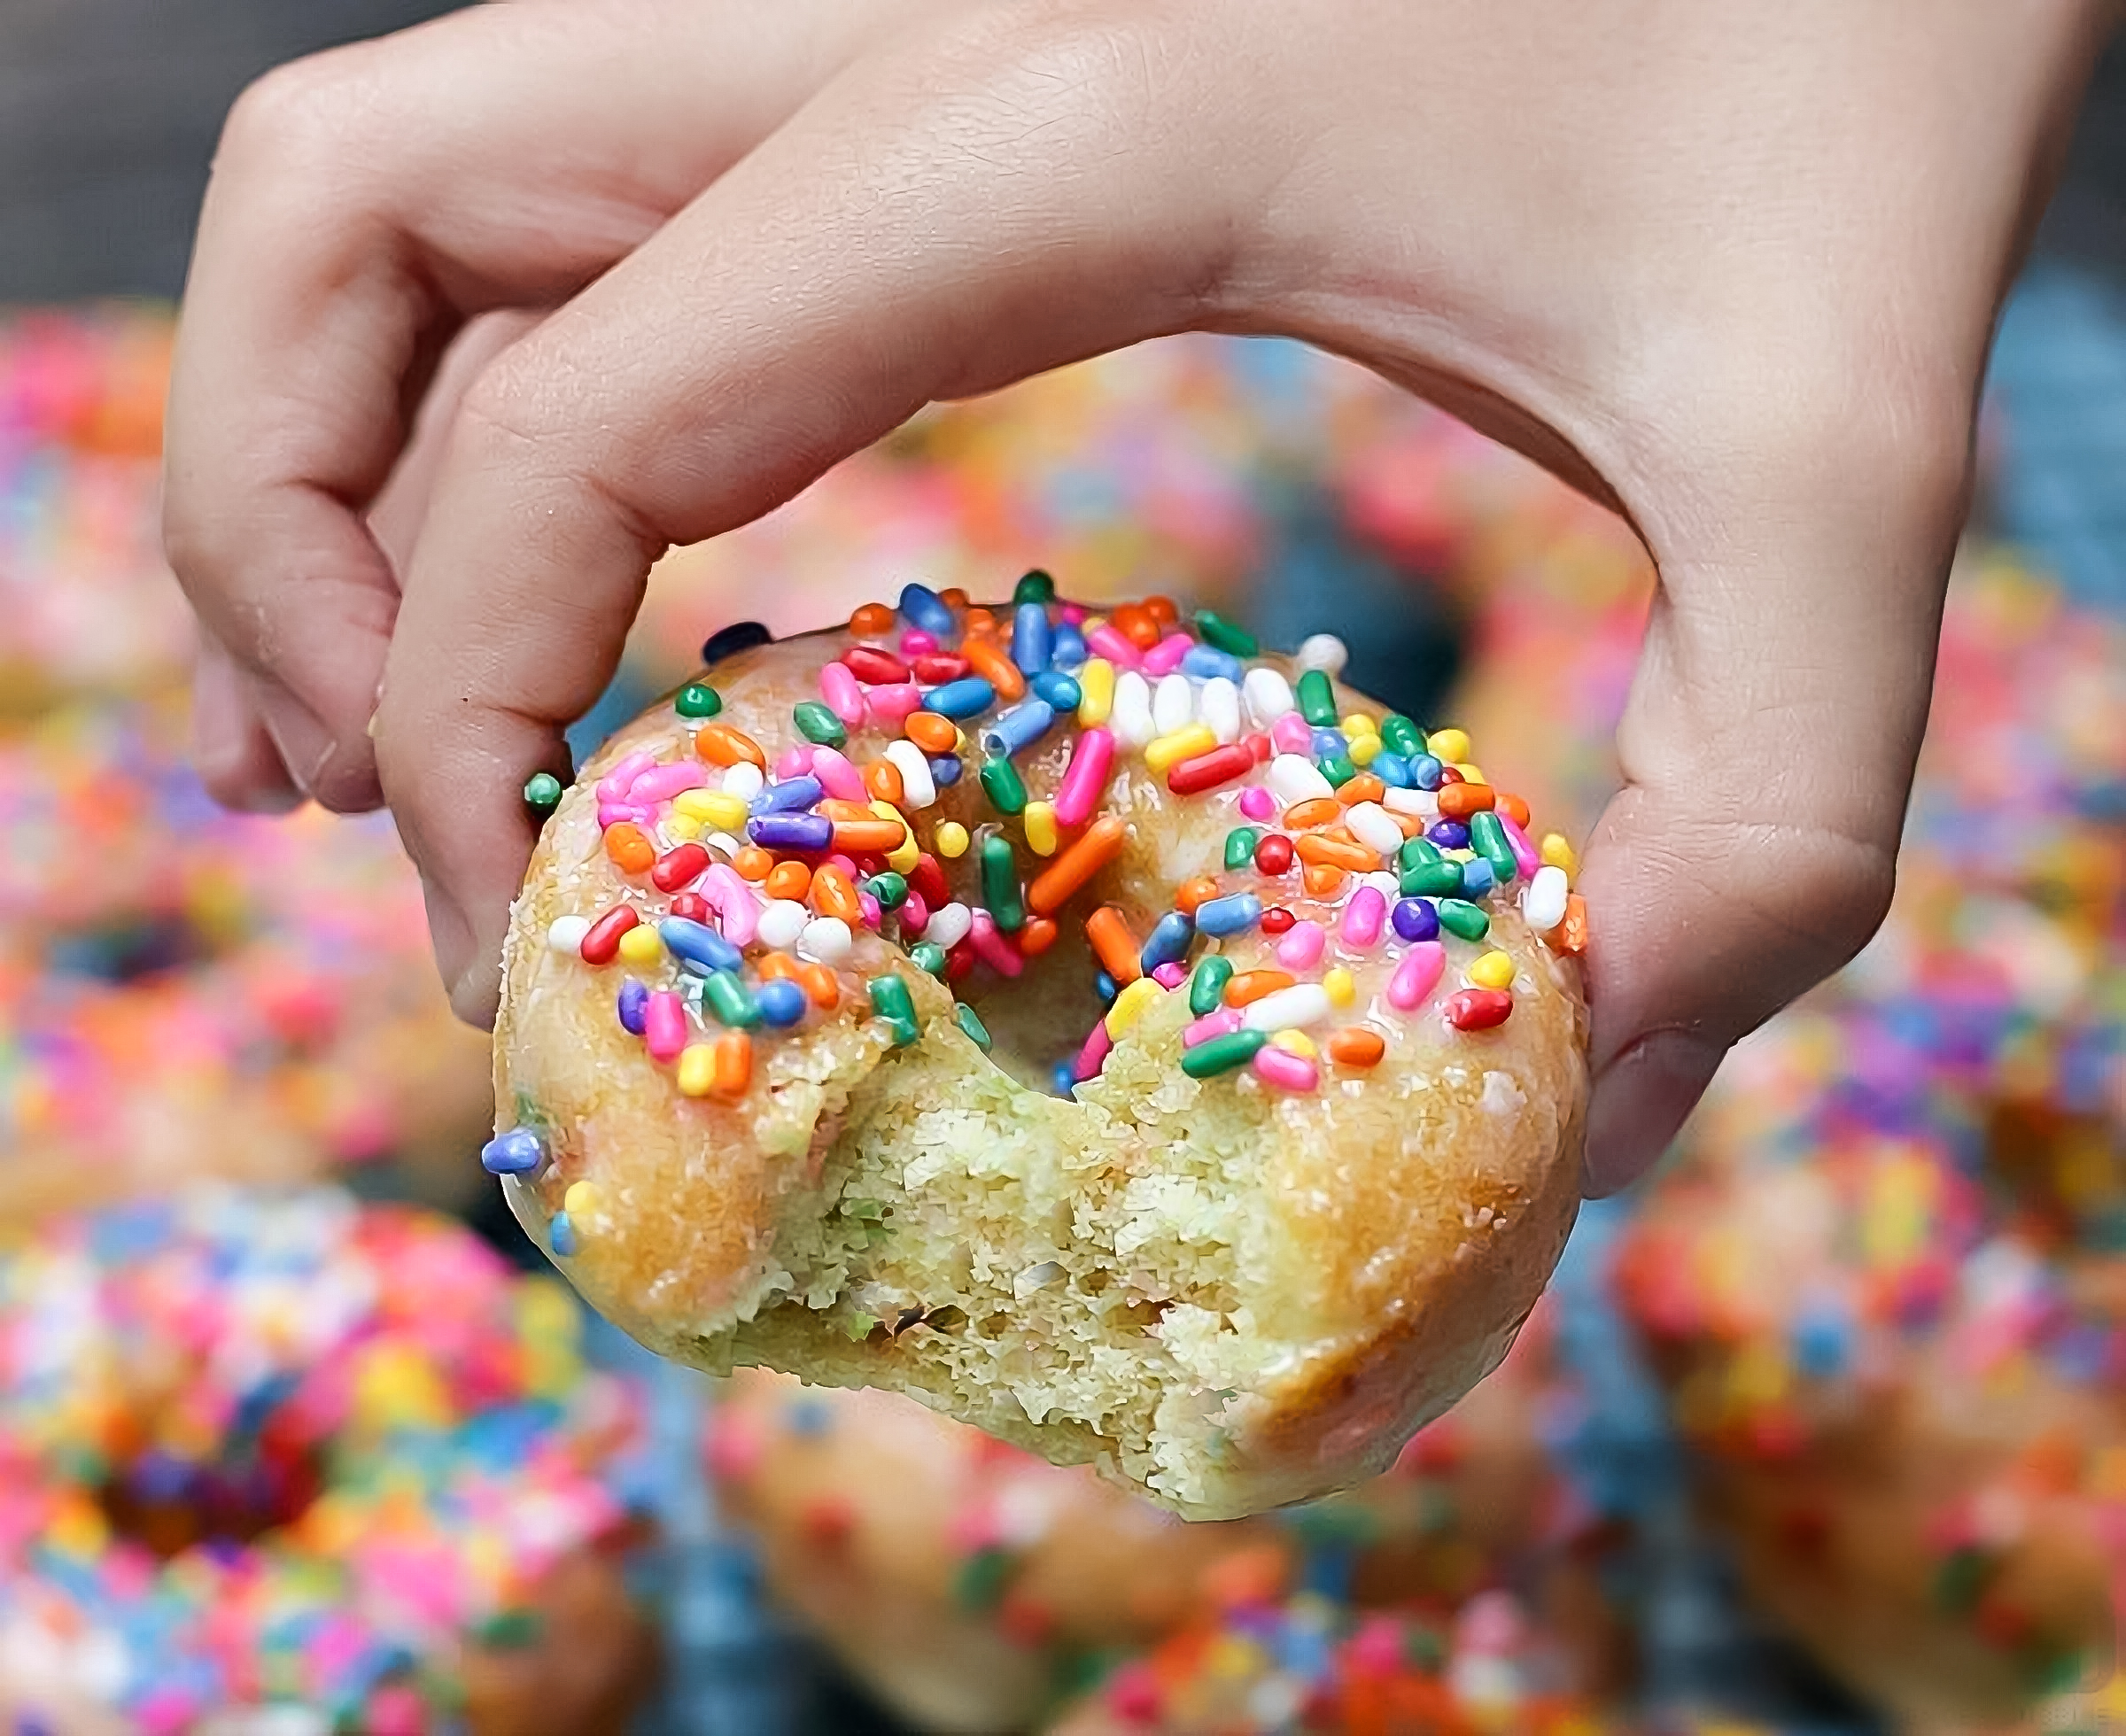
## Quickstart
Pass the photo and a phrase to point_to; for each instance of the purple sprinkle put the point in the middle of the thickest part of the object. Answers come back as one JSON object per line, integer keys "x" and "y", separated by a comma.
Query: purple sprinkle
{"x": 634, "y": 998}
{"x": 1170, "y": 974}
{"x": 1449, "y": 834}
{"x": 791, "y": 832}
{"x": 1415, "y": 919}
{"x": 789, "y": 796}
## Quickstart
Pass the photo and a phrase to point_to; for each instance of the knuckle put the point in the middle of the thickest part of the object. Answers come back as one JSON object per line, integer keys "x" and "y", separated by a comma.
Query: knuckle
{"x": 304, "y": 114}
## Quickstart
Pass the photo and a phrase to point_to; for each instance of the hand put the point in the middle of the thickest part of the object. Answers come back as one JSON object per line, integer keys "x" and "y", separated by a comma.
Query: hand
{"x": 1731, "y": 267}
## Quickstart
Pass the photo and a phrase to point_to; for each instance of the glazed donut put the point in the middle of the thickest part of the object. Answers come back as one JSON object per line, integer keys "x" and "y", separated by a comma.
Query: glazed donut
{"x": 1302, "y": 1190}
{"x": 301, "y": 1453}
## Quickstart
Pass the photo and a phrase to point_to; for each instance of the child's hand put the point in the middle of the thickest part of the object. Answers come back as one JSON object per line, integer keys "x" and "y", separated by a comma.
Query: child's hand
{"x": 1731, "y": 266}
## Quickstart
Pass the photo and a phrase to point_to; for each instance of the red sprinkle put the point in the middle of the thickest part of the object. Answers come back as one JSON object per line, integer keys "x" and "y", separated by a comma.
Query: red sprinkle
{"x": 1273, "y": 853}
{"x": 929, "y": 879}
{"x": 1477, "y": 1008}
{"x": 936, "y": 668}
{"x": 877, "y": 668}
{"x": 601, "y": 942}
{"x": 680, "y": 867}
{"x": 1277, "y": 921}
{"x": 1207, "y": 771}
{"x": 691, "y": 906}
{"x": 1259, "y": 746}
{"x": 959, "y": 962}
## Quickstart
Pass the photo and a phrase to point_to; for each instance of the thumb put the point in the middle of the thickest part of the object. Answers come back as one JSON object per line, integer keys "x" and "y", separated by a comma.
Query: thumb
{"x": 1768, "y": 748}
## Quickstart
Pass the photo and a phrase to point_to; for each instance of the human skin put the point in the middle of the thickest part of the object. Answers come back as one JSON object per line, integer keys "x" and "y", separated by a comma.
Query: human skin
{"x": 1730, "y": 266}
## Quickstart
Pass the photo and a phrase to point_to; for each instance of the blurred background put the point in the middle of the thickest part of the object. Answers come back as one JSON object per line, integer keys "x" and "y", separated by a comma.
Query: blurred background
{"x": 1822, "y": 1430}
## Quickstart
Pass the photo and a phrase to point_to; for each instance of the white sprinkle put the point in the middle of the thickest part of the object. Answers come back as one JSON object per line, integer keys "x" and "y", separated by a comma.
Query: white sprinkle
{"x": 1172, "y": 703}
{"x": 1292, "y": 779}
{"x": 565, "y": 933}
{"x": 827, "y": 939}
{"x": 724, "y": 843}
{"x": 1131, "y": 714}
{"x": 782, "y": 922}
{"x": 1268, "y": 695}
{"x": 1219, "y": 706}
{"x": 1372, "y": 825}
{"x": 1503, "y": 1094}
{"x": 1323, "y": 651}
{"x": 1543, "y": 903}
{"x": 948, "y": 925}
{"x": 917, "y": 784}
{"x": 745, "y": 781}
{"x": 1385, "y": 883}
{"x": 1423, "y": 803}
{"x": 1289, "y": 1008}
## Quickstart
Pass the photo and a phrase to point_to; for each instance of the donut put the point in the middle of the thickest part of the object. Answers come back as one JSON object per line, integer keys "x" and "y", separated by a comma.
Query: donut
{"x": 1290, "y": 1196}
{"x": 296, "y": 1453}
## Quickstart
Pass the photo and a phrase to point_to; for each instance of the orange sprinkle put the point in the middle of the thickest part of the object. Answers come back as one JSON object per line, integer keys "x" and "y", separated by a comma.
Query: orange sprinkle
{"x": 1458, "y": 801}
{"x": 1037, "y": 936}
{"x": 1254, "y": 985}
{"x": 1321, "y": 879}
{"x": 872, "y": 621}
{"x": 1113, "y": 944}
{"x": 721, "y": 745}
{"x": 1412, "y": 824}
{"x": 986, "y": 658}
{"x": 1572, "y": 932}
{"x": 730, "y": 1067}
{"x": 1134, "y": 622}
{"x": 1513, "y": 808}
{"x": 753, "y": 863}
{"x": 774, "y": 966}
{"x": 834, "y": 895}
{"x": 1320, "y": 850}
{"x": 838, "y": 811}
{"x": 788, "y": 879}
{"x": 630, "y": 848}
{"x": 821, "y": 985}
{"x": 1364, "y": 787}
{"x": 1354, "y": 1046}
{"x": 953, "y": 596}
{"x": 1087, "y": 853}
{"x": 873, "y": 835}
{"x": 932, "y": 734}
{"x": 980, "y": 625}
{"x": 882, "y": 778}
{"x": 1162, "y": 611}
{"x": 1317, "y": 810}
{"x": 1190, "y": 893}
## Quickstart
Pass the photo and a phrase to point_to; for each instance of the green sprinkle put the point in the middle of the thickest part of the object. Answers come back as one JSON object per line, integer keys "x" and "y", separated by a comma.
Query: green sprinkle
{"x": 1216, "y": 630}
{"x": 927, "y": 955}
{"x": 816, "y": 724}
{"x": 970, "y": 1021}
{"x": 983, "y": 1578}
{"x": 860, "y": 1326}
{"x": 698, "y": 700}
{"x": 1000, "y": 883}
{"x": 1962, "y": 1578}
{"x": 1318, "y": 700}
{"x": 542, "y": 793}
{"x": 1431, "y": 879}
{"x": 1240, "y": 846}
{"x": 1036, "y": 588}
{"x": 1207, "y": 983}
{"x": 1400, "y": 736}
{"x": 1235, "y": 1048}
{"x": 1415, "y": 851}
{"x": 889, "y": 888}
{"x": 728, "y": 998}
{"x": 1489, "y": 835}
{"x": 1001, "y": 782}
{"x": 890, "y": 999}
{"x": 512, "y": 1631}
{"x": 1338, "y": 768}
{"x": 1459, "y": 917}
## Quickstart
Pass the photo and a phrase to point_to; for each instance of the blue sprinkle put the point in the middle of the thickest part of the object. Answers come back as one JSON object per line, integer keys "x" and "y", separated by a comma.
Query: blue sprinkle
{"x": 791, "y": 832}
{"x": 1206, "y": 662}
{"x": 1019, "y": 728}
{"x": 1059, "y": 690}
{"x": 1330, "y": 744}
{"x": 1415, "y": 919}
{"x": 1449, "y": 834}
{"x": 1425, "y": 772}
{"x": 781, "y": 1003}
{"x": 1064, "y": 1074}
{"x": 511, "y": 1153}
{"x": 945, "y": 770}
{"x": 1167, "y": 941}
{"x": 1822, "y": 1339}
{"x": 1032, "y": 644}
{"x": 1105, "y": 986}
{"x": 697, "y": 943}
{"x": 1231, "y": 915}
{"x": 634, "y": 1001}
{"x": 561, "y": 1236}
{"x": 925, "y": 609}
{"x": 1477, "y": 877}
{"x": 729, "y": 641}
{"x": 1069, "y": 650}
{"x": 809, "y": 1418}
{"x": 1392, "y": 770}
{"x": 791, "y": 796}
{"x": 968, "y": 697}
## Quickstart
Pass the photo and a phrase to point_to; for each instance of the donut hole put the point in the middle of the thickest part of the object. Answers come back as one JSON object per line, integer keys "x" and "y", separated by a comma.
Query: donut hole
{"x": 1024, "y": 1015}
{"x": 169, "y": 1506}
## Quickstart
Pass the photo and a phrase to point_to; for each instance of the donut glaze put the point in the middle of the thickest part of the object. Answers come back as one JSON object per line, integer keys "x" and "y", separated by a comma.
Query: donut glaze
{"x": 1252, "y": 1251}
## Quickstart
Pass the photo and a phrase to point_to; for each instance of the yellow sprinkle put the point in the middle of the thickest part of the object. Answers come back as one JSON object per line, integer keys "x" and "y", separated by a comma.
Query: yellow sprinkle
{"x": 951, "y": 839}
{"x": 726, "y": 813}
{"x": 1359, "y": 724}
{"x": 682, "y": 826}
{"x": 1096, "y": 692}
{"x": 1364, "y": 750}
{"x": 1041, "y": 836}
{"x": 1493, "y": 970}
{"x": 1471, "y": 774}
{"x": 1131, "y": 1005}
{"x": 640, "y": 945}
{"x": 1557, "y": 853}
{"x": 1343, "y": 989}
{"x": 1183, "y": 743}
{"x": 1450, "y": 745}
{"x": 581, "y": 1199}
{"x": 1463, "y": 855}
{"x": 1295, "y": 1042}
{"x": 698, "y": 1070}
{"x": 902, "y": 856}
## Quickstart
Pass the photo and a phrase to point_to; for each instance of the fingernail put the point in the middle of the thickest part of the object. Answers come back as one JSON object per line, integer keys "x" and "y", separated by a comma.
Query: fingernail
{"x": 299, "y": 735}
{"x": 470, "y": 970}
{"x": 226, "y": 751}
{"x": 1641, "y": 1099}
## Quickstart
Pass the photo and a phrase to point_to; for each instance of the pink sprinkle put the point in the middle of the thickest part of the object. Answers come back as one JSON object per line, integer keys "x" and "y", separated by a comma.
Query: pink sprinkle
{"x": 837, "y": 777}
{"x": 991, "y": 946}
{"x": 891, "y": 704}
{"x": 1073, "y": 613}
{"x": 725, "y": 890}
{"x": 1362, "y": 916}
{"x": 846, "y": 863}
{"x": 1108, "y": 641}
{"x": 1416, "y": 976}
{"x": 663, "y": 782}
{"x": 1292, "y": 734}
{"x": 664, "y": 1025}
{"x": 1257, "y": 803}
{"x": 611, "y": 813}
{"x": 1085, "y": 777}
{"x": 1300, "y": 949}
{"x": 844, "y": 698}
{"x": 1286, "y": 1071}
{"x": 617, "y": 783}
{"x": 1094, "y": 1055}
{"x": 1525, "y": 856}
{"x": 1220, "y": 1023}
{"x": 869, "y": 906}
{"x": 1172, "y": 974}
{"x": 794, "y": 761}
{"x": 915, "y": 913}
{"x": 916, "y": 643}
{"x": 1165, "y": 657}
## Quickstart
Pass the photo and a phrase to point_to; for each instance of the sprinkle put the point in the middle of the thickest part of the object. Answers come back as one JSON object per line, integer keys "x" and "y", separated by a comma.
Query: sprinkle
{"x": 1112, "y": 943}
{"x": 1291, "y": 735}
{"x": 696, "y": 1070}
{"x": 1206, "y": 771}
{"x": 1461, "y": 801}
{"x": 697, "y": 702}
{"x": 732, "y": 1068}
{"x": 1317, "y": 699}
{"x": 791, "y": 832}
{"x": 631, "y": 853}
{"x": 891, "y": 706}
{"x": 720, "y": 744}
{"x": 1322, "y": 879}
{"x": 516, "y": 1152}
{"x": 1363, "y": 916}
{"x": 1292, "y": 779}
{"x": 711, "y": 808}
{"x": 1131, "y": 719}
{"x": 991, "y": 665}
{"x": 834, "y": 894}
{"x": 745, "y": 781}
{"x": 932, "y": 734}
{"x": 1286, "y": 1071}
{"x": 1433, "y": 879}
{"x": 1252, "y": 986}
{"x": 618, "y": 784}
{"x": 1167, "y": 943}
{"x": 1163, "y": 660}
{"x": 876, "y": 835}
{"x": 1207, "y": 985}
{"x": 1338, "y": 769}
{"x": 838, "y": 687}
{"x": 1131, "y": 1006}
{"x": 921, "y": 607}
{"x": 1416, "y": 976}
{"x": 951, "y": 839}
{"x": 1240, "y": 848}
{"x": 679, "y": 869}
{"x": 735, "y": 902}
{"x": 1273, "y": 854}
{"x": 871, "y": 621}
{"x": 1477, "y": 877}
{"x": 1317, "y": 810}
{"x": 1092, "y": 1056}
{"x": 1267, "y": 696}
{"x": 1222, "y": 1054}
{"x": 970, "y": 1022}
{"x": 1493, "y": 970}
{"x": 1373, "y": 826}
{"x": 1342, "y": 986}
{"x": 1174, "y": 706}
{"x": 1415, "y": 919}
{"x": 1572, "y": 932}
{"x": 1059, "y": 690}
{"x": 1450, "y": 746}
{"x": 1557, "y": 853}
{"x": 542, "y": 793}
{"x": 1115, "y": 647}
{"x": 918, "y": 787}
{"x": 729, "y": 641}
{"x": 1354, "y": 1046}
{"x": 664, "y": 1025}
{"x": 948, "y": 925}
{"x": 1042, "y": 834}
{"x": 1070, "y": 644}
{"x": 889, "y": 888}
{"x": 1000, "y": 873}
{"x": 1096, "y": 685}
{"x": 1033, "y": 643}
{"x": 782, "y": 1003}
{"x": 1218, "y": 705}
{"x": 1216, "y": 630}
{"x": 565, "y": 933}
{"x": 1300, "y": 949}
{"x": 1034, "y": 587}
{"x": 827, "y": 939}
{"x": 1092, "y": 850}
{"x": 874, "y": 667}
{"x": 1326, "y": 849}
{"x": 1257, "y": 803}
{"x": 781, "y": 923}
{"x": 1019, "y": 728}
{"x": 1477, "y": 1009}
{"x": 561, "y": 1236}
{"x": 1426, "y": 772}
{"x": 1165, "y": 751}
{"x": 1419, "y": 804}
{"x": 992, "y": 948}
{"x": 927, "y": 955}
{"x": 1400, "y": 735}
{"x": 1458, "y": 916}
{"x": 601, "y": 941}
{"x": 1207, "y": 662}
{"x": 1323, "y": 651}
{"x": 1085, "y": 777}
{"x": 1215, "y": 1023}
{"x": 1037, "y": 936}
{"x": 1363, "y": 751}
{"x": 640, "y": 946}
{"x": 792, "y": 795}
{"x": 1543, "y": 904}
{"x": 1002, "y": 784}
{"x": 968, "y": 697}
{"x": 1234, "y": 914}
{"x": 726, "y": 997}
{"x": 818, "y": 723}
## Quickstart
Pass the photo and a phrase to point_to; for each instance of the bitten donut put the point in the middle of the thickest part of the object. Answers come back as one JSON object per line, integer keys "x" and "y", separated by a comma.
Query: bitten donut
{"x": 1136, "y": 1046}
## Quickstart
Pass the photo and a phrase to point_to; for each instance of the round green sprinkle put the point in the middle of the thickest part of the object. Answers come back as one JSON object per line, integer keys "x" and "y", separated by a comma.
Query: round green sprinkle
{"x": 542, "y": 793}
{"x": 1431, "y": 879}
{"x": 1415, "y": 851}
{"x": 1489, "y": 836}
{"x": 1001, "y": 782}
{"x": 1207, "y": 983}
{"x": 816, "y": 724}
{"x": 1036, "y": 588}
{"x": 1318, "y": 700}
{"x": 927, "y": 955}
{"x": 1235, "y": 1048}
{"x": 970, "y": 1021}
{"x": 1217, "y": 632}
{"x": 1459, "y": 917}
{"x": 889, "y": 888}
{"x": 1000, "y": 884}
{"x": 729, "y": 1000}
{"x": 1339, "y": 770}
{"x": 698, "y": 700}
{"x": 1240, "y": 847}
{"x": 1400, "y": 736}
